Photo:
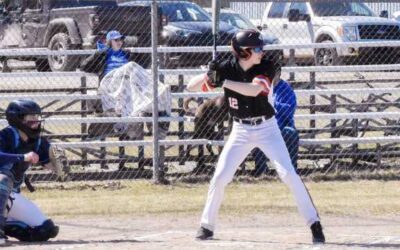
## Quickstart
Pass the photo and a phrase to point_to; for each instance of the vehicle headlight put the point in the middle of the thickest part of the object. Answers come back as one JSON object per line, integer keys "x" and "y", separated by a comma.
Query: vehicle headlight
{"x": 349, "y": 32}
{"x": 185, "y": 32}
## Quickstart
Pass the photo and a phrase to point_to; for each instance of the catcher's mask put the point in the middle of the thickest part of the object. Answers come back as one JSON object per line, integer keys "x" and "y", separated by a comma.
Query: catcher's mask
{"x": 17, "y": 111}
{"x": 244, "y": 41}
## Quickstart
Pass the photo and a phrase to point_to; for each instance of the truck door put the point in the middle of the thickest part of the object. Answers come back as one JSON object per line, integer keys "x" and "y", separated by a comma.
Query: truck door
{"x": 11, "y": 28}
{"x": 299, "y": 32}
{"x": 34, "y": 22}
{"x": 3, "y": 22}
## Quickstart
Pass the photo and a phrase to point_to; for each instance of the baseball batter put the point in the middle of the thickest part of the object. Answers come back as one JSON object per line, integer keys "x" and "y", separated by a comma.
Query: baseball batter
{"x": 246, "y": 79}
{"x": 20, "y": 147}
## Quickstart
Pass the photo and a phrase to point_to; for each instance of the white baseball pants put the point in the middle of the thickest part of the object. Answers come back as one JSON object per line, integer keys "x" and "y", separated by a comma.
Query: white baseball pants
{"x": 24, "y": 210}
{"x": 241, "y": 141}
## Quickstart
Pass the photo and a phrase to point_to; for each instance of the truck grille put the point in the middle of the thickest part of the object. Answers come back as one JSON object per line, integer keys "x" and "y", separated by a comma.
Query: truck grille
{"x": 382, "y": 32}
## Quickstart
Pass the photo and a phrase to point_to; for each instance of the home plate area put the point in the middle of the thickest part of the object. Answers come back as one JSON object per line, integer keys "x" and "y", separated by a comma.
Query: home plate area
{"x": 257, "y": 231}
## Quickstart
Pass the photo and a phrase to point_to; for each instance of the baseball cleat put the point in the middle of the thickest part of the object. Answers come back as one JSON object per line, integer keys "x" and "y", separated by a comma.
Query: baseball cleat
{"x": 204, "y": 234}
{"x": 317, "y": 234}
{"x": 3, "y": 240}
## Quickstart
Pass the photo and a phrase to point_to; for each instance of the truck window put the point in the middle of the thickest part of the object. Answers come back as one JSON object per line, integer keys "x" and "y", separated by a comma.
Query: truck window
{"x": 34, "y": 4}
{"x": 12, "y": 5}
{"x": 341, "y": 9}
{"x": 276, "y": 10}
{"x": 302, "y": 7}
{"x": 82, "y": 3}
{"x": 182, "y": 12}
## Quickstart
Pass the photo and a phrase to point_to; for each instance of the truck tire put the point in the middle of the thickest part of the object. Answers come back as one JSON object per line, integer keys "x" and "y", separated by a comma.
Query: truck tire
{"x": 61, "y": 41}
{"x": 42, "y": 65}
{"x": 326, "y": 56}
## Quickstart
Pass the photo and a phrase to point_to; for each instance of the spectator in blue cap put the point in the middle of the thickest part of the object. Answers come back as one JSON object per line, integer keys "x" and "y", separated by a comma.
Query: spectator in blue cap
{"x": 107, "y": 59}
{"x": 114, "y": 35}
{"x": 112, "y": 57}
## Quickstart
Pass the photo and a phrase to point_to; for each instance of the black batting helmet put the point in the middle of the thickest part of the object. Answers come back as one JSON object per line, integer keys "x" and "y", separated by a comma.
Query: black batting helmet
{"x": 244, "y": 41}
{"x": 16, "y": 111}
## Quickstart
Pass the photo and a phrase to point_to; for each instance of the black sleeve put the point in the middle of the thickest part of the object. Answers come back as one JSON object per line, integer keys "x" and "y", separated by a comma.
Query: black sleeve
{"x": 43, "y": 151}
{"x": 143, "y": 59}
{"x": 221, "y": 71}
{"x": 94, "y": 63}
{"x": 132, "y": 57}
{"x": 270, "y": 69}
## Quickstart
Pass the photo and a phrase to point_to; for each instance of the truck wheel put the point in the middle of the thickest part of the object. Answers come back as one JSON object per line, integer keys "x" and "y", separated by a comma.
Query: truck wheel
{"x": 326, "y": 56}
{"x": 61, "y": 41}
{"x": 42, "y": 65}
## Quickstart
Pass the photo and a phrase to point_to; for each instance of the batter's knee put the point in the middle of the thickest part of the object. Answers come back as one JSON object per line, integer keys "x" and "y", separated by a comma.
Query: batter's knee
{"x": 220, "y": 180}
{"x": 24, "y": 232}
{"x": 289, "y": 176}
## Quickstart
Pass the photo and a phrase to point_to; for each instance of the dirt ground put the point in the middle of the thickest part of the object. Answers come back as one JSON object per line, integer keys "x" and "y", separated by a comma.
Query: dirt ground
{"x": 261, "y": 231}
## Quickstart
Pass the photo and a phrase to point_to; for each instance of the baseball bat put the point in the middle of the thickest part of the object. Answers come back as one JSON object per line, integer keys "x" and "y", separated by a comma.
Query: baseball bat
{"x": 216, "y": 5}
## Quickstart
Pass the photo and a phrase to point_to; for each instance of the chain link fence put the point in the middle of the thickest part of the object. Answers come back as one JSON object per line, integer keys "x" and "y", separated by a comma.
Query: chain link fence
{"x": 339, "y": 57}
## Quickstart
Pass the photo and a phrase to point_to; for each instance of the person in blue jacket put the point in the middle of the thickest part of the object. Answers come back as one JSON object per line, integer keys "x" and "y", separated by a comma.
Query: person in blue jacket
{"x": 108, "y": 57}
{"x": 285, "y": 104}
{"x": 21, "y": 146}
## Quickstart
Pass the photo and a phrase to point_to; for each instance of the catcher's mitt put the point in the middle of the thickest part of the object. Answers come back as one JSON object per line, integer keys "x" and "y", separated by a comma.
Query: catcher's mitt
{"x": 59, "y": 162}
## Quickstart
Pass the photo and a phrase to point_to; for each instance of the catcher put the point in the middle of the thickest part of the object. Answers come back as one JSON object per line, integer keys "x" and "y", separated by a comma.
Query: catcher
{"x": 21, "y": 145}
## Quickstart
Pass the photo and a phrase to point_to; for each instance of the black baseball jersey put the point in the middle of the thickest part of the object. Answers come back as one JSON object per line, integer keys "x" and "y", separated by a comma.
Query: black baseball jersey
{"x": 241, "y": 106}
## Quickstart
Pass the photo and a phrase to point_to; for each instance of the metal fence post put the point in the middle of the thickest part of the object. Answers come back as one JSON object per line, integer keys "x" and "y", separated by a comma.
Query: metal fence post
{"x": 84, "y": 109}
{"x": 291, "y": 63}
{"x": 181, "y": 124}
{"x": 157, "y": 171}
{"x": 312, "y": 106}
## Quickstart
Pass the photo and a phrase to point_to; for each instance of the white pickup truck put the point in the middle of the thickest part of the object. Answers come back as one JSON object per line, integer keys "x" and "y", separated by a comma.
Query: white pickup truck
{"x": 327, "y": 22}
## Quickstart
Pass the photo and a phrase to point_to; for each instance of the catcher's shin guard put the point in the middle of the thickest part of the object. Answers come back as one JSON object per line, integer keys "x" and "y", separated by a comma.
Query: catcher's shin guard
{"x": 24, "y": 232}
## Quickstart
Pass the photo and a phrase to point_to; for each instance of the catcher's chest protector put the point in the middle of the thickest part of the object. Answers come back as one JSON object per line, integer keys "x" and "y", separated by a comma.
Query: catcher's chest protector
{"x": 15, "y": 140}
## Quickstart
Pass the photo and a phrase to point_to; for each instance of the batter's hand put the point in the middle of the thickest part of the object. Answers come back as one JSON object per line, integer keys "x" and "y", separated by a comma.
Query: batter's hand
{"x": 264, "y": 82}
{"x": 212, "y": 77}
{"x": 31, "y": 157}
{"x": 207, "y": 85}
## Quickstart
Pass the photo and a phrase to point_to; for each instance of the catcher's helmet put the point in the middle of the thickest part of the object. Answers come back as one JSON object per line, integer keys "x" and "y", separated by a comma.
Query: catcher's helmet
{"x": 16, "y": 111}
{"x": 245, "y": 40}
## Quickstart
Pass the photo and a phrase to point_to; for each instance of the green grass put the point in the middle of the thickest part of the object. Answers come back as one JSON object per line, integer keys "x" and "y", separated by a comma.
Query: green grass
{"x": 138, "y": 198}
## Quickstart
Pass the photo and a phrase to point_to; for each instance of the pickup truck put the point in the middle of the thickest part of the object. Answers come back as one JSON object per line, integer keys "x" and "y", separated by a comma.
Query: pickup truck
{"x": 329, "y": 22}
{"x": 184, "y": 23}
{"x": 70, "y": 24}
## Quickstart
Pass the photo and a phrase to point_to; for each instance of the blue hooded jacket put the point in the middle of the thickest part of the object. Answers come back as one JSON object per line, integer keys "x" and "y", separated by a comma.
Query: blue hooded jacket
{"x": 285, "y": 104}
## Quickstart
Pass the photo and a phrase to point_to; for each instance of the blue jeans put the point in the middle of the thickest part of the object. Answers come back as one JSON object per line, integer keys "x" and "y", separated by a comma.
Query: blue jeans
{"x": 291, "y": 138}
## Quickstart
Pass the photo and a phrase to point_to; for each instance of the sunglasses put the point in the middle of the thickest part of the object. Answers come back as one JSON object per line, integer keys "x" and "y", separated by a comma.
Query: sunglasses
{"x": 258, "y": 50}
{"x": 119, "y": 40}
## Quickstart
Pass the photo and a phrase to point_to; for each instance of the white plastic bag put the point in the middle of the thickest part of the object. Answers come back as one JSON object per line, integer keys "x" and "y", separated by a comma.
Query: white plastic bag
{"x": 128, "y": 91}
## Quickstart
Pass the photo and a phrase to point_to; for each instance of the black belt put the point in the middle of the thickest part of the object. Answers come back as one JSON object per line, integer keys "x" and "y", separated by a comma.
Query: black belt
{"x": 251, "y": 121}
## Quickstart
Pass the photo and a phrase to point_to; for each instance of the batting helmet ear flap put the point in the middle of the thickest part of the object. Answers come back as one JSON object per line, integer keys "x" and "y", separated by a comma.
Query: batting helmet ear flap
{"x": 239, "y": 52}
